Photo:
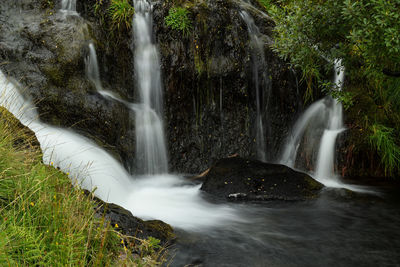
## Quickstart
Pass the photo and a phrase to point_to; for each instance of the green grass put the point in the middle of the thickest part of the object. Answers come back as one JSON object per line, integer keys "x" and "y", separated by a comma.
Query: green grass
{"x": 121, "y": 13}
{"x": 178, "y": 19}
{"x": 45, "y": 221}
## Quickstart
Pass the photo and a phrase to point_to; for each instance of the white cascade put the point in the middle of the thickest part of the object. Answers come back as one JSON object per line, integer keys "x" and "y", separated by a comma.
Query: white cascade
{"x": 314, "y": 115}
{"x": 164, "y": 197}
{"x": 69, "y": 7}
{"x": 324, "y": 115}
{"x": 258, "y": 60}
{"x": 325, "y": 172}
{"x": 151, "y": 152}
{"x": 92, "y": 68}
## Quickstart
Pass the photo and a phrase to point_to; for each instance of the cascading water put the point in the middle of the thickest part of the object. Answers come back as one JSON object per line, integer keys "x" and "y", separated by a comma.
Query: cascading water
{"x": 92, "y": 68}
{"x": 68, "y": 6}
{"x": 151, "y": 152}
{"x": 313, "y": 117}
{"x": 325, "y": 172}
{"x": 326, "y": 115}
{"x": 261, "y": 82}
{"x": 164, "y": 197}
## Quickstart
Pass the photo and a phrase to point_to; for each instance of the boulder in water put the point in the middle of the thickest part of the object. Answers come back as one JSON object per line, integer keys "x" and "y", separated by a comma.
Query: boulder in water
{"x": 244, "y": 179}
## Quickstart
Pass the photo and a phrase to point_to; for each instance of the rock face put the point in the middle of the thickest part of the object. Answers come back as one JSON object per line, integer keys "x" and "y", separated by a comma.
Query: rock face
{"x": 241, "y": 179}
{"x": 209, "y": 88}
{"x": 45, "y": 51}
{"x": 210, "y": 100}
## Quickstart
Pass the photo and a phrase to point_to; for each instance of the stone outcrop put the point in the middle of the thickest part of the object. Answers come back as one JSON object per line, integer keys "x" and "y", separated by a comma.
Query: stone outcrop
{"x": 243, "y": 179}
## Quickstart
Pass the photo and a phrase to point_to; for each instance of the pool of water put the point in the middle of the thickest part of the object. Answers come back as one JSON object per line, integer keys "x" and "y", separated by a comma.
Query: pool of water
{"x": 339, "y": 228}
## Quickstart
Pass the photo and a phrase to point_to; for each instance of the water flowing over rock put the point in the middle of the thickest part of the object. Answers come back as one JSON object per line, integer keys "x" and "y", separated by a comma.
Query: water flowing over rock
{"x": 261, "y": 82}
{"x": 151, "y": 152}
{"x": 45, "y": 52}
{"x": 69, "y": 7}
{"x": 318, "y": 127}
{"x": 211, "y": 106}
{"x": 325, "y": 171}
{"x": 92, "y": 68}
{"x": 210, "y": 102}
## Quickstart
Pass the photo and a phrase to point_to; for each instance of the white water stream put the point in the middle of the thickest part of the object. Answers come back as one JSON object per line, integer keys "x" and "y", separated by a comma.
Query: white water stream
{"x": 258, "y": 60}
{"x": 151, "y": 151}
{"x": 68, "y": 7}
{"x": 164, "y": 197}
{"x": 324, "y": 115}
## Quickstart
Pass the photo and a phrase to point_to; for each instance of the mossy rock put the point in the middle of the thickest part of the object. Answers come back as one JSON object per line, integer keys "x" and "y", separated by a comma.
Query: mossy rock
{"x": 129, "y": 225}
{"x": 26, "y": 138}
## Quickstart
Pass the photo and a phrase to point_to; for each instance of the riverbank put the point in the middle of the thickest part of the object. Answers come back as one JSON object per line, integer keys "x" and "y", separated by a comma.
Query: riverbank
{"x": 46, "y": 221}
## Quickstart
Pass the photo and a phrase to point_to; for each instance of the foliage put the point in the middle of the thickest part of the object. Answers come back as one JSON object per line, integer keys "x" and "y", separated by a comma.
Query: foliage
{"x": 365, "y": 34}
{"x": 383, "y": 139}
{"x": 121, "y": 13}
{"x": 44, "y": 220}
{"x": 266, "y": 4}
{"x": 97, "y": 6}
{"x": 47, "y": 4}
{"x": 178, "y": 19}
{"x": 346, "y": 98}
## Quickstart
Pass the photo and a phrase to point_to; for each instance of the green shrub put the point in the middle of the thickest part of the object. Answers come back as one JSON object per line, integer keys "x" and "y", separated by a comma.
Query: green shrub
{"x": 383, "y": 140}
{"x": 365, "y": 35}
{"x": 178, "y": 19}
{"x": 121, "y": 13}
{"x": 266, "y": 4}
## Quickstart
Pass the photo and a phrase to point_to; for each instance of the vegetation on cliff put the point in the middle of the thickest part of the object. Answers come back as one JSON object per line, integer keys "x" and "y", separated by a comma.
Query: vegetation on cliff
{"x": 366, "y": 36}
{"x": 45, "y": 221}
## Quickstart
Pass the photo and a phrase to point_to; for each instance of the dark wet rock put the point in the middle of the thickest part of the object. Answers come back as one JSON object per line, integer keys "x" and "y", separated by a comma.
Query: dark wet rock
{"x": 242, "y": 179}
{"x": 123, "y": 221}
{"x": 210, "y": 106}
{"x": 209, "y": 88}
{"x": 45, "y": 51}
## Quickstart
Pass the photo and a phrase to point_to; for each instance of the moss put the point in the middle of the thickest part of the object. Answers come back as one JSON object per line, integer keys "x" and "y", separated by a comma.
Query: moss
{"x": 55, "y": 74}
{"x": 198, "y": 63}
{"x": 312, "y": 184}
{"x": 162, "y": 229}
{"x": 26, "y": 138}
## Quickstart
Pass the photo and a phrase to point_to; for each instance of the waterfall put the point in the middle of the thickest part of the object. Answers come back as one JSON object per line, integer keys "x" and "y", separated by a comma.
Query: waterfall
{"x": 68, "y": 6}
{"x": 85, "y": 162}
{"x": 151, "y": 152}
{"x": 325, "y": 172}
{"x": 261, "y": 82}
{"x": 150, "y": 145}
{"x": 325, "y": 115}
{"x": 315, "y": 115}
{"x": 163, "y": 197}
{"x": 92, "y": 68}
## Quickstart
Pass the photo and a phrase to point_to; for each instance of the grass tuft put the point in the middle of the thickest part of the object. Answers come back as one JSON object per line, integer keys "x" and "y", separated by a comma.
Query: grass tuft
{"x": 178, "y": 19}
{"x": 121, "y": 13}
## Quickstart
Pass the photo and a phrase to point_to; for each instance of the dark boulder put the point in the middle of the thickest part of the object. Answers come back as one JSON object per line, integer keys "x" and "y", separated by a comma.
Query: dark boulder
{"x": 243, "y": 179}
